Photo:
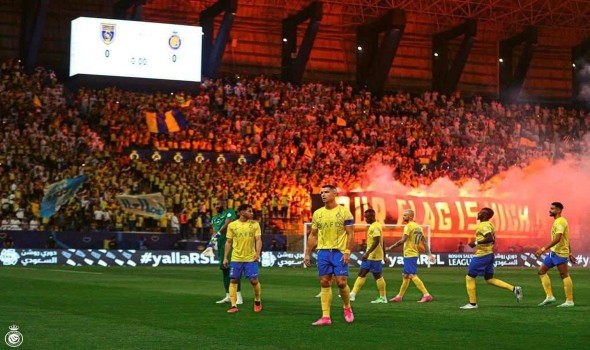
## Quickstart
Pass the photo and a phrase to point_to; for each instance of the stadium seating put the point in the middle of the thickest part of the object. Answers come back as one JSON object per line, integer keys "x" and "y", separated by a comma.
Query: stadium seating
{"x": 302, "y": 137}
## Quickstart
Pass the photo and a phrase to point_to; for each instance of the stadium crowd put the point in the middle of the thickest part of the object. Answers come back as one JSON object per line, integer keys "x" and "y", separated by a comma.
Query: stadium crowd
{"x": 302, "y": 136}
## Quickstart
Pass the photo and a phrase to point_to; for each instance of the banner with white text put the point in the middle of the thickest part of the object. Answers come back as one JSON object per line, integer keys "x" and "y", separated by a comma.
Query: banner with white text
{"x": 148, "y": 258}
{"x": 519, "y": 226}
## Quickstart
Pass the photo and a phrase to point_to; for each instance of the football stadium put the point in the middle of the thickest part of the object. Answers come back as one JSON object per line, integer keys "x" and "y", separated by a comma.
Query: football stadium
{"x": 331, "y": 174}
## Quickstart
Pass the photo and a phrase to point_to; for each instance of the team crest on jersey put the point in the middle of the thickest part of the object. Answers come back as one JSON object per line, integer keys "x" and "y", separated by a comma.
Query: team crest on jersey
{"x": 174, "y": 41}
{"x": 107, "y": 32}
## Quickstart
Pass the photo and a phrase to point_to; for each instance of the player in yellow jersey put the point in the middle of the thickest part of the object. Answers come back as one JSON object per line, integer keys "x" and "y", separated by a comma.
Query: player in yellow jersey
{"x": 245, "y": 244}
{"x": 412, "y": 238}
{"x": 482, "y": 262}
{"x": 332, "y": 232}
{"x": 560, "y": 252}
{"x": 371, "y": 260}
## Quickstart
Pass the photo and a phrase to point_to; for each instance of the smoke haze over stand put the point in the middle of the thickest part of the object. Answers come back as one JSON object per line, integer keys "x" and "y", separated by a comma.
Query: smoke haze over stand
{"x": 542, "y": 182}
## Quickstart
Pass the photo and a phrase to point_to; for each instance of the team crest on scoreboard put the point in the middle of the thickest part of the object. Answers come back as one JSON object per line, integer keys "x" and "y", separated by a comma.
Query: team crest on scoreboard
{"x": 107, "y": 32}
{"x": 174, "y": 41}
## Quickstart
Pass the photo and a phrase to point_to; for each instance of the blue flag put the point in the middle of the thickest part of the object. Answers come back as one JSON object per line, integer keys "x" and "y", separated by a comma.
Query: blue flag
{"x": 57, "y": 194}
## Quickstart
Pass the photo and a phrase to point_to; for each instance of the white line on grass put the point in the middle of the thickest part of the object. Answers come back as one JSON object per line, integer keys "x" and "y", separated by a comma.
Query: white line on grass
{"x": 70, "y": 271}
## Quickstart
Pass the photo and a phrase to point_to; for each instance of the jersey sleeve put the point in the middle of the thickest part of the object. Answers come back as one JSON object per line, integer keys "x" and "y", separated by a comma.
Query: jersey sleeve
{"x": 407, "y": 230}
{"x": 314, "y": 221}
{"x": 484, "y": 229}
{"x": 258, "y": 231}
{"x": 231, "y": 214}
{"x": 377, "y": 230}
{"x": 348, "y": 218}
{"x": 230, "y": 230}
{"x": 560, "y": 226}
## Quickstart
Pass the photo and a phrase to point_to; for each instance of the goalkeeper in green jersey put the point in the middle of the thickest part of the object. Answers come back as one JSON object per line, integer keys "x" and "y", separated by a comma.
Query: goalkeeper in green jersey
{"x": 219, "y": 223}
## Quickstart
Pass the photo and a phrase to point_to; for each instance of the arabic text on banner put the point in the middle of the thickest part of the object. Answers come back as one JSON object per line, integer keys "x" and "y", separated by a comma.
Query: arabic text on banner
{"x": 152, "y": 205}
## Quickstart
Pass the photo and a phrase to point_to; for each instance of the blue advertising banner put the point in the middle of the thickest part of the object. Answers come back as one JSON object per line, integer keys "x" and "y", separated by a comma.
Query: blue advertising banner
{"x": 155, "y": 258}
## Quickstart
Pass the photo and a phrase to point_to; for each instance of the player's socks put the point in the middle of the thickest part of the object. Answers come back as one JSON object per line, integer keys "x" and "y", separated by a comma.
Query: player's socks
{"x": 381, "y": 286}
{"x": 326, "y": 299}
{"x": 404, "y": 287}
{"x": 418, "y": 282}
{"x": 233, "y": 293}
{"x": 345, "y": 295}
{"x": 257, "y": 291}
{"x": 358, "y": 284}
{"x": 470, "y": 284}
{"x": 499, "y": 283}
{"x": 568, "y": 287}
{"x": 546, "y": 283}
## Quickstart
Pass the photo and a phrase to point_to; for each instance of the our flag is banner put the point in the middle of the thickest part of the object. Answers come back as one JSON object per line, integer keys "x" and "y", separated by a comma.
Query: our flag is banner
{"x": 169, "y": 122}
{"x": 152, "y": 205}
{"x": 59, "y": 193}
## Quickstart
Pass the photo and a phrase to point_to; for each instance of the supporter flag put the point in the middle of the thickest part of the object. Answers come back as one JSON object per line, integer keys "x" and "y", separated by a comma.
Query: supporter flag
{"x": 527, "y": 142}
{"x": 59, "y": 193}
{"x": 183, "y": 102}
{"x": 37, "y": 101}
{"x": 171, "y": 121}
{"x": 424, "y": 160}
{"x": 340, "y": 121}
{"x": 152, "y": 205}
{"x": 308, "y": 153}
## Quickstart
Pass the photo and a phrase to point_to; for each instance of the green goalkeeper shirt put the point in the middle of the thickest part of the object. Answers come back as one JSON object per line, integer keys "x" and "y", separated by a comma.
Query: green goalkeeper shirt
{"x": 218, "y": 220}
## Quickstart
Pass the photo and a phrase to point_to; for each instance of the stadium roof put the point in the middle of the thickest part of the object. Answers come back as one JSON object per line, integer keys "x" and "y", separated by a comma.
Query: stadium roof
{"x": 552, "y": 13}
{"x": 509, "y": 13}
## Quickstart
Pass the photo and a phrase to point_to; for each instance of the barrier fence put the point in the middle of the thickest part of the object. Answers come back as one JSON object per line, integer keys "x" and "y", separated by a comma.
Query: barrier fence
{"x": 154, "y": 258}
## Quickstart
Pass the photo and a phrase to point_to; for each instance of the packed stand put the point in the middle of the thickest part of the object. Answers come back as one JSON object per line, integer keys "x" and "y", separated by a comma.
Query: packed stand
{"x": 303, "y": 137}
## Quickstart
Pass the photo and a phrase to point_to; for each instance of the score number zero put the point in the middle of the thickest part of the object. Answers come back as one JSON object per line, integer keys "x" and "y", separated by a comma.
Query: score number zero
{"x": 140, "y": 60}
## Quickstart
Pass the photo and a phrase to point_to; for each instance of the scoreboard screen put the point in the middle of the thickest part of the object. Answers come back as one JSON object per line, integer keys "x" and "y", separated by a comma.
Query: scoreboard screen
{"x": 110, "y": 47}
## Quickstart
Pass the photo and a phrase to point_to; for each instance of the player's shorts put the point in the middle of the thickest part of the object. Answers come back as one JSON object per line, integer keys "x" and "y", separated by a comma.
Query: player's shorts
{"x": 481, "y": 265}
{"x": 410, "y": 266}
{"x": 330, "y": 263}
{"x": 236, "y": 269}
{"x": 374, "y": 266}
{"x": 553, "y": 259}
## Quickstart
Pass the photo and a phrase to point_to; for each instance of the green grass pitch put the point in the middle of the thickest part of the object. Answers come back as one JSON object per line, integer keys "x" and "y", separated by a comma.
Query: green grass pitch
{"x": 174, "y": 308}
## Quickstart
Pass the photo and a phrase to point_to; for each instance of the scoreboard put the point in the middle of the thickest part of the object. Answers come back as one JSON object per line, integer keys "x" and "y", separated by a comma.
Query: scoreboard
{"x": 110, "y": 47}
